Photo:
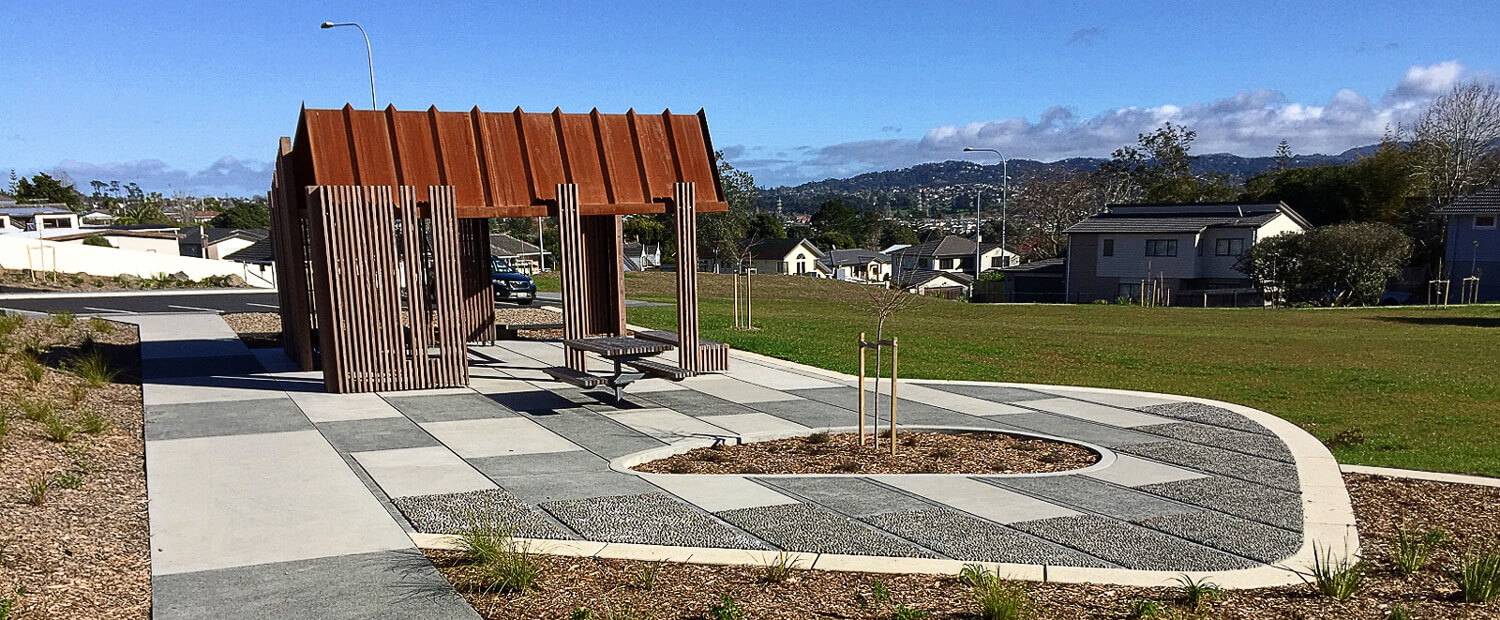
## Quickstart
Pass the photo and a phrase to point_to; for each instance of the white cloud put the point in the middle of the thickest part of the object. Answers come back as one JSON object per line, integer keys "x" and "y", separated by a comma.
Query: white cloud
{"x": 1250, "y": 122}
{"x": 228, "y": 175}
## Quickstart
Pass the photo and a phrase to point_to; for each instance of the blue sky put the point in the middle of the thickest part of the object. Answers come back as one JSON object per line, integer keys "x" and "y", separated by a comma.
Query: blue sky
{"x": 191, "y": 97}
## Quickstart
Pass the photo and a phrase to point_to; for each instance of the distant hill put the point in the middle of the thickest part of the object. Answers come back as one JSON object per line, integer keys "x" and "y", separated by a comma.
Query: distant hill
{"x": 949, "y": 183}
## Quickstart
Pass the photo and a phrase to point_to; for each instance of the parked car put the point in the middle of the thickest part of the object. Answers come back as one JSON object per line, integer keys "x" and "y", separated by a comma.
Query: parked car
{"x": 511, "y": 285}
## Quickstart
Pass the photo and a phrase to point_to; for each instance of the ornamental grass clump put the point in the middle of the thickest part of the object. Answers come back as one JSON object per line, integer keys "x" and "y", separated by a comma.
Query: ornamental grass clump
{"x": 780, "y": 569}
{"x": 501, "y": 564}
{"x": 57, "y": 429}
{"x": 1478, "y": 576}
{"x": 1194, "y": 594}
{"x": 35, "y": 410}
{"x": 999, "y": 599}
{"x": 1412, "y": 549}
{"x": 93, "y": 368}
{"x": 1339, "y": 578}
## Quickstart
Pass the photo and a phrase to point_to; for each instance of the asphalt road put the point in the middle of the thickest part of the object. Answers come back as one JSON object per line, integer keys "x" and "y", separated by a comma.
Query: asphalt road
{"x": 134, "y": 302}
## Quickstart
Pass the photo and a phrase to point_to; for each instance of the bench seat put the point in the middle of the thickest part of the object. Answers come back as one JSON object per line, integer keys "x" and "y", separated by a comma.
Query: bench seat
{"x": 574, "y": 377}
{"x": 715, "y": 355}
{"x": 659, "y": 369}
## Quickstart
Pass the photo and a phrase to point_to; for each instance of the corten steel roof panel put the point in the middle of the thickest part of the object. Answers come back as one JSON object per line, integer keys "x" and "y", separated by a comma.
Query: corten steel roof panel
{"x": 507, "y": 164}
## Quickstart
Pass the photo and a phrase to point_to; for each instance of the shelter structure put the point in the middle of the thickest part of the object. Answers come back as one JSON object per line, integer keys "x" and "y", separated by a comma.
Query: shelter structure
{"x": 380, "y": 230}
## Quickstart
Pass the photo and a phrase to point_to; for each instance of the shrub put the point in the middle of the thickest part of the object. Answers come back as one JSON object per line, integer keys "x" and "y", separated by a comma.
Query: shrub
{"x": 1478, "y": 576}
{"x": 57, "y": 429}
{"x": 781, "y": 569}
{"x": 93, "y": 422}
{"x": 63, "y": 319}
{"x": 93, "y": 368}
{"x": 1339, "y": 578}
{"x": 1413, "y": 548}
{"x": 96, "y": 241}
{"x": 101, "y": 326}
{"x": 725, "y": 609}
{"x": 907, "y": 613}
{"x": 1001, "y": 600}
{"x": 1194, "y": 593}
{"x": 36, "y": 490}
{"x": 818, "y": 437}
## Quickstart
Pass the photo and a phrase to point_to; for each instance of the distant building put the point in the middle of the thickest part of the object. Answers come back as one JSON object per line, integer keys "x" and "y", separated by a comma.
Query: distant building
{"x": 1043, "y": 281}
{"x": 217, "y": 243}
{"x": 522, "y": 256}
{"x": 858, "y": 265}
{"x": 44, "y": 220}
{"x": 945, "y": 284}
{"x": 950, "y": 253}
{"x": 642, "y": 256}
{"x": 787, "y": 256}
{"x": 1473, "y": 244}
{"x": 1191, "y": 248}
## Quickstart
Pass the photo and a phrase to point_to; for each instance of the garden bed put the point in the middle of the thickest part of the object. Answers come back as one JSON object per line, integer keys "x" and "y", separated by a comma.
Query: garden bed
{"x": 917, "y": 452}
{"x": 617, "y": 589}
{"x": 73, "y": 532}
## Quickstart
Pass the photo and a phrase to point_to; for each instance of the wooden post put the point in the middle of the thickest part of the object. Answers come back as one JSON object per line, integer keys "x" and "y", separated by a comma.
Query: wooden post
{"x": 749, "y": 314}
{"x": 736, "y": 298}
{"x": 895, "y": 347}
{"x": 861, "y": 348}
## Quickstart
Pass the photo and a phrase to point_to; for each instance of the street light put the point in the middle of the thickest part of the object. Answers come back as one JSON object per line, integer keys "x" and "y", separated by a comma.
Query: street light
{"x": 368, "y": 56}
{"x": 1004, "y": 195}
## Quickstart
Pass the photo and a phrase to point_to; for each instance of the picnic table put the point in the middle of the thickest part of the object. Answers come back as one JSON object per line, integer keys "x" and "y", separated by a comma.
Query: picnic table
{"x": 624, "y": 351}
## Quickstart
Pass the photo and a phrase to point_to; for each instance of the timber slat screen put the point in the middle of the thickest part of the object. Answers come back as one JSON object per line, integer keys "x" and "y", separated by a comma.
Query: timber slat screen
{"x": 380, "y": 232}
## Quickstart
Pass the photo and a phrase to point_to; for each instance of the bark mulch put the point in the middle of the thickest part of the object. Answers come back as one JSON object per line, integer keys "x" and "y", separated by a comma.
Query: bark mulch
{"x": 84, "y": 551}
{"x": 917, "y": 452}
{"x": 617, "y": 589}
{"x": 256, "y": 329}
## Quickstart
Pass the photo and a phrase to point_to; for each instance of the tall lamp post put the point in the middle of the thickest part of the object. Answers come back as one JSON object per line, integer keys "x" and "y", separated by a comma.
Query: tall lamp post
{"x": 1004, "y": 196}
{"x": 368, "y": 56}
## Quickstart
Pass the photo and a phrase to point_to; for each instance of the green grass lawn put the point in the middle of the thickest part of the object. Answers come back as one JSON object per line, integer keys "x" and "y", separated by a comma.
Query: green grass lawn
{"x": 1414, "y": 387}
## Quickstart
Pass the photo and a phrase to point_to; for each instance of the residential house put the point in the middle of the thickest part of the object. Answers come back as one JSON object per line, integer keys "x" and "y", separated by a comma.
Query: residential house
{"x": 44, "y": 220}
{"x": 1043, "y": 281}
{"x": 522, "y": 256}
{"x": 858, "y": 265}
{"x": 1473, "y": 245}
{"x": 947, "y": 284}
{"x": 787, "y": 256}
{"x": 950, "y": 253}
{"x": 216, "y": 243}
{"x": 98, "y": 218}
{"x": 1190, "y": 249}
{"x": 152, "y": 241}
{"x": 259, "y": 260}
{"x": 641, "y": 256}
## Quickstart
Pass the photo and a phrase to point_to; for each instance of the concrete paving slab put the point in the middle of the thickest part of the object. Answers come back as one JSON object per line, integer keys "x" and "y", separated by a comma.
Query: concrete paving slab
{"x": 375, "y": 434}
{"x": 453, "y": 513}
{"x": 1258, "y": 470}
{"x": 774, "y": 378}
{"x": 449, "y": 407}
{"x": 409, "y": 472}
{"x": 734, "y": 390}
{"x": 972, "y": 496}
{"x": 274, "y": 360}
{"x": 1103, "y": 414}
{"x": 752, "y": 423}
{"x": 539, "y": 488}
{"x": 649, "y": 518}
{"x": 200, "y": 366}
{"x": 230, "y": 417}
{"x": 218, "y": 502}
{"x": 810, "y": 413}
{"x": 1207, "y": 414}
{"x": 326, "y": 407}
{"x": 1262, "y": 543}
{"x": 1131, "y": 471}
{"x": 500, "y": 385}
{"x": 647, "y": 386}
{"x": 994, "y": 393}
{"x": 1131, "y": 546}
{"x": 1086, "y": 494}
{"x": 715, "y": 493}
{"x": 1248, "y": 500}
{"x": 596, "y": 433}
{"x": 498, "y": 437}
{"x": 207, "y": 390}
{"x": 850, "y": 495}
{"x": 956, "y": 402}
{"x": 694, "y": 403}
{"x": 540, "y": 463}
{"x": 1127, "y": 401}
{"x": 1077, "y": 429}
{"x": 1253, "y": 444}
{"x": 536, "y": 400}
{"x": 383, "y": 584}
{"x": 668, "y": 425}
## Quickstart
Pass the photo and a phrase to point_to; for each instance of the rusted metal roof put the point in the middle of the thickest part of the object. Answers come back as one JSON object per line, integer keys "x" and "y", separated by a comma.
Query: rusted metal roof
{"x": 508, "y": 164}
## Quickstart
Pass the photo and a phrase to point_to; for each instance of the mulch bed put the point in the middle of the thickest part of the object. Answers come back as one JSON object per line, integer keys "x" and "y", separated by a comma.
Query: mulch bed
{"x": 256, "y": 329}
{"x": 84, "y": 552}
{"x": 917, "y": 452}
{"x": 618, "y": 588}
{"x": 521, "y": 316}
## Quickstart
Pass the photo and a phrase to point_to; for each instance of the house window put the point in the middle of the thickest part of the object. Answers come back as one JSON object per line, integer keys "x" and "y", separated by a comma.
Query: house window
{"x": 997, "y": 261}
{"x": 1161, "y": 247}
{"x": 1229, "y": 247}
{"x": 54, "y": 222}
{"x": 1484, "y": 221}
{"x": 1109, "y": 247}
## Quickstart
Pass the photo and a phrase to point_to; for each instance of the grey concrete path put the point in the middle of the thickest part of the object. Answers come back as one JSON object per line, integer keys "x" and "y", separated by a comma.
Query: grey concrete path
{"x": 1183, "y": 485}
{"x": 253, "y": 513}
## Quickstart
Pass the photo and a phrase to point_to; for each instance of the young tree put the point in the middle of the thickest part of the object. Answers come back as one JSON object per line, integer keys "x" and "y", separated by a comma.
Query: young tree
{"x": 719, "y": 235}
{"x": 884, "y": 303}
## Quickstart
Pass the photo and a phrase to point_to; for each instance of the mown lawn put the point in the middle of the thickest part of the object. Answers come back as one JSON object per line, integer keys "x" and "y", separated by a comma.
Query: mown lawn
{"x": 1413, "y": 387}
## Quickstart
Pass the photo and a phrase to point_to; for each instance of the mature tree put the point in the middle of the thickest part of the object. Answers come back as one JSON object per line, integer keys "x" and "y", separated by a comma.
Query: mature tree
{"x": 243, "y": 215}
{"x": 1158, "y": 169}
{"x": 44, "y": 188}
{"x": 1456, "y": 138}
{"x": 764, "y": 226}
{"x": 721, "y": 235}
{"x": 1048, "y": 204}
{"x": 838, "y": 225}
{"x": 1283, "y": 156}
{"x": 1342, "y": 264}
{"x": 1372, "y": 189}
{"x": 898, "y": 233}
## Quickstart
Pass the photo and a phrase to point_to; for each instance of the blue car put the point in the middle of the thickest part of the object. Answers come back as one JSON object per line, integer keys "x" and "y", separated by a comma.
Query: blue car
{"x": 511, "y": 285}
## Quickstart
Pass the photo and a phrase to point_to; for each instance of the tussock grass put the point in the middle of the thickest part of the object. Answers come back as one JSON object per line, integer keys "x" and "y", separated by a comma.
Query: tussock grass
{"x": 1478, "y": 576}
{"x": 93, "y": 368}
{"x": 101, "y": 326}
{"x": 780, "y": 569}
{"x": 1339, "y": 578}
{"x": 998, "y": 599}
{"x": 57, "y": 429}
{"x": 501, "y": 564}
{"x": 63, "y": 319}
{"x": 93, "y": 422}
{"x": 36, "y": 410}
{"x": 1194, "y": 594}
{"x": 36, "y": 490}
{"x": 1412, "y": 549}
{"x": 32, "y": 370}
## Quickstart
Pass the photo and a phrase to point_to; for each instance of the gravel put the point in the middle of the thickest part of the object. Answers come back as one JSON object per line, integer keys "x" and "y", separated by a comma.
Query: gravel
{"x": 451, "y": 513}
{"x": 1207, "y": 414}
{"x": 1256, "y": 541}
{"x": 814, "y": 529}
{"x": 650, "y": 518}
{"x": 1214, "y": 460}
{"x": 963, "y": 537}
{"x": 1237, "y": 497}
{"x": 1265, "y": 446}
{"x": 1130, "y": 545}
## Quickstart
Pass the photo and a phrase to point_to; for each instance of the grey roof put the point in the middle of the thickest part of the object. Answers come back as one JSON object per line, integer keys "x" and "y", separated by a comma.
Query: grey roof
{"x": 1482, "y": 201}
{"x": 917, "y": 277}
{"x": 1183, "y": 218}
{"x": 258, "y": 253}
{"x": 947, "y": 245}
{"x": 1046, "y": 265}
{"x": 838, "y": 258}
{"x": 505, "y": 246}
{"x": 33, "y": 210}
{"x": 194, "y": 235}
{"x": 777, "y": 249}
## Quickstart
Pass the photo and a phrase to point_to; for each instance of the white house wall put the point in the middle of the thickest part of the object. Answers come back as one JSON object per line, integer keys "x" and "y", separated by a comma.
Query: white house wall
{"x": 17, "y": 252}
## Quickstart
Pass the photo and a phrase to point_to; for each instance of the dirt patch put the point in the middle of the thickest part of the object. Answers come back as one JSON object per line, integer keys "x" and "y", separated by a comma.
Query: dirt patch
{"x": 256, "y": 329}
{"x": 917, "y": 452}
{"x": 83, "y": 552}
{"x": 622, "y": 589}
